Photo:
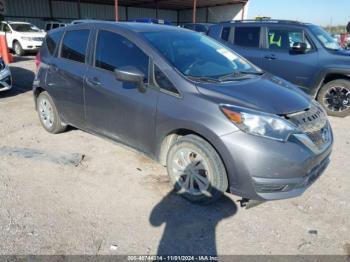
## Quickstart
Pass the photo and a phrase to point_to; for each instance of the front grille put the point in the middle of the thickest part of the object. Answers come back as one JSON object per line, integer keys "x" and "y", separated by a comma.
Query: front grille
{"x": 313, "y": 122}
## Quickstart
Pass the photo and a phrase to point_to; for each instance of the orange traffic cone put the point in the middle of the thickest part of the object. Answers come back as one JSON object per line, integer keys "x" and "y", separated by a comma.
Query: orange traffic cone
{"x": 4, "y": 50}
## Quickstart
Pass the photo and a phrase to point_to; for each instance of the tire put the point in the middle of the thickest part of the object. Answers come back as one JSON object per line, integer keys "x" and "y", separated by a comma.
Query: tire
{"x": 335, "y": 105}
{"x": 17, "y": 48}
{"x": 48, "y": 114}
{"x": 191, "y": 158}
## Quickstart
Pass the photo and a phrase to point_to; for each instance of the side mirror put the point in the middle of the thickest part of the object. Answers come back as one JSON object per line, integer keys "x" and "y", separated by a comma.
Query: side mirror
{"x": 131, "y": 75}
{"x": 299, "y": 47}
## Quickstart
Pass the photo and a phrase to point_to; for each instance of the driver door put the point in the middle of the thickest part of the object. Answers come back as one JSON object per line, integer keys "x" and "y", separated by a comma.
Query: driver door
{"x": 279, "y": 59}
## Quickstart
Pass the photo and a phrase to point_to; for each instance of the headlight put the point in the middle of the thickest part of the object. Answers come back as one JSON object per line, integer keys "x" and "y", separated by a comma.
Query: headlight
{"x": 26, "y": 38}
{"x": 260, "y": 124}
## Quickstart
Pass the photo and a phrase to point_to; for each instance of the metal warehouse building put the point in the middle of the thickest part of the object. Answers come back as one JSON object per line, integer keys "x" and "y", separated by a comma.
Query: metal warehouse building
{"x": 176, "y": 11}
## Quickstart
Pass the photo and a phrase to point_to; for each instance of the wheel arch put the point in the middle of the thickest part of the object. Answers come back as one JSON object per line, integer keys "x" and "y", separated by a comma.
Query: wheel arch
{"x": 170, "y": 137}
{"x": 36, "y": 92}
{"x": 331, "y": 75}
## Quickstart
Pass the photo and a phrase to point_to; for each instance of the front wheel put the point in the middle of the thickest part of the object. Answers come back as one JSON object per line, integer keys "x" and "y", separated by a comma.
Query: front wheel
{"x": 18, "y": 48}
{"x": 196, "y": 170}
{"x": 335, "y": 98}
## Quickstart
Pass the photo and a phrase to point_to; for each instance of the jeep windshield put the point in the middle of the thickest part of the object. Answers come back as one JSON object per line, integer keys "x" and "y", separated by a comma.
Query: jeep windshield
{"x": 25, "y": 27}
{"x": 326, "y": 39}
{"x": 200, "y": 58}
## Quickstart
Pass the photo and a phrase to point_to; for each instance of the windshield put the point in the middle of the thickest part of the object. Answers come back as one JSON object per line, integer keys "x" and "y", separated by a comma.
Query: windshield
{"x": 326, "y": 39}
{"x": 24, "y": 27}
{"x": 196, "y": 55}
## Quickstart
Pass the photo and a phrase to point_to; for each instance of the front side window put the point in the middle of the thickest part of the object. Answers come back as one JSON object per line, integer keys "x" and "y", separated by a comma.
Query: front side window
{"x": 52, "y": 41}
{"x": 247, "y": 36}
{"x": 325, "y": 39}
{"x": 114, "y": 51}
{"x": 163, "y": 81}
{"x": 196, "y": 55}
{"x": 25, "y": 27}
{"x": 75, "y": 44}
{"x": 284, "y": 39}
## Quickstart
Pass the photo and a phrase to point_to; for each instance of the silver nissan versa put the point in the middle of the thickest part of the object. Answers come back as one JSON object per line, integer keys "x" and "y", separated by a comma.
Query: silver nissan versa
{"x": 217, "y": 122}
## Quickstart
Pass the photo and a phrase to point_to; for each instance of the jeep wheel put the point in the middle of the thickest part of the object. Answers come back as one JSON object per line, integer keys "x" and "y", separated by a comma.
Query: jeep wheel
{"x": 196, "y": 170}
{"x": 335, "y": 98}
{"x": 48, "y": 114}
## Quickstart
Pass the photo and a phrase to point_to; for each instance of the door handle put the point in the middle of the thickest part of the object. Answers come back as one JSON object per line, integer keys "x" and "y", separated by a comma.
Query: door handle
{"x": 270, "y": 57}
{"x": 93, "y": 81}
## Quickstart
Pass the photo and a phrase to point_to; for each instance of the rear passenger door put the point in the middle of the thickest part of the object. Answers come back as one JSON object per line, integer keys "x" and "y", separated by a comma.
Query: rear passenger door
{"x": 65, "y": 77}
{"x": 279, "y": 58}
{"x": 119, "y": 109}
{"x": 245, "y": 40}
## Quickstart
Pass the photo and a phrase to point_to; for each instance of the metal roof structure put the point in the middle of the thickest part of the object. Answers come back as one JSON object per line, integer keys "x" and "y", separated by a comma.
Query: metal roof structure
{"x": 165, "y": 4}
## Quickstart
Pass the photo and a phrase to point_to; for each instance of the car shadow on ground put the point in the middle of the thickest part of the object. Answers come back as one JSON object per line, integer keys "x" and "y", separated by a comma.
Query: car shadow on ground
{"x": 22, "y": 81}
{"x": 28, "y": 57}
{"x": 189, "y": 228}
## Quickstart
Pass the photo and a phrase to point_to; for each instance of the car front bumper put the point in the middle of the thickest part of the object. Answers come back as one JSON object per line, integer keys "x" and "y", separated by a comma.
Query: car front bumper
{"x": 31, "y": 45}
{"x": 264, "y": 169}
{"x": 5, "y": 79}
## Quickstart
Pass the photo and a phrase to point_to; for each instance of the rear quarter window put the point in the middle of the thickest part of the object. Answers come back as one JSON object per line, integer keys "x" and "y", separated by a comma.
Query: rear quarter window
{"x": 52, "y": 41}
{"x": 225, "y": 34}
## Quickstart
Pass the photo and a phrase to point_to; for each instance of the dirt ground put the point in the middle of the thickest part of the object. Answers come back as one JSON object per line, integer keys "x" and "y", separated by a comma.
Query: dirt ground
{"x": 75, "y": 193}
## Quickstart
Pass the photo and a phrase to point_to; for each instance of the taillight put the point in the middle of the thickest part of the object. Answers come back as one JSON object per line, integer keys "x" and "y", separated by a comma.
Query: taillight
{"x": 37, "y": 60}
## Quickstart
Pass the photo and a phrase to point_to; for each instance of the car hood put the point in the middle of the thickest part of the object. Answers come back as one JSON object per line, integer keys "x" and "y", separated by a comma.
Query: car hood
{"x": 265, "y": 93}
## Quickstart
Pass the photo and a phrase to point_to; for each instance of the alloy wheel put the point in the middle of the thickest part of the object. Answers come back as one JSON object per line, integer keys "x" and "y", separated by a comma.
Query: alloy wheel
{"x": 337, "y": 99}
{"x": 46, "y": 113}
{"x": 191, "y": 171}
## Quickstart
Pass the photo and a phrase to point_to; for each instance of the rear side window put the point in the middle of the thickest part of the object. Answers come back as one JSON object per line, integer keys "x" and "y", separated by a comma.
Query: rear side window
{"x": 225, "y": 33}
{"x": 247, "y": 36}
{"x": 114, "y": 51}
{"x": 75, "y": 44}
{"x": 52, "y": 41}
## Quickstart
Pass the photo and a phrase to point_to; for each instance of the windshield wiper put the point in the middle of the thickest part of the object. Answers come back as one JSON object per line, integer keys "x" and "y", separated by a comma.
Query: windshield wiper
{"x": 239, "y": 75}
{"x": 204, "y": 79}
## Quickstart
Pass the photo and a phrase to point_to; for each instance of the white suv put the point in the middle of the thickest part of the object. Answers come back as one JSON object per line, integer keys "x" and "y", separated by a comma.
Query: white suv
{"x": 22, "y": 37}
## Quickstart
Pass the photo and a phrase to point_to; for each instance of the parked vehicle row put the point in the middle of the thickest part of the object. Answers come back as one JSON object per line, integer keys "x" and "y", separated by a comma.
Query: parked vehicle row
{"x": 303, "y": 54}
{"x": 216, "y": 121}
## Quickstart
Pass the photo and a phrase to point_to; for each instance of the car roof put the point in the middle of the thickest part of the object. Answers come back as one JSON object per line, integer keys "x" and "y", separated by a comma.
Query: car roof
{"x": 132, "y": 26}
{"x": 16, "y": 22}
{"x": 265, "y": 22}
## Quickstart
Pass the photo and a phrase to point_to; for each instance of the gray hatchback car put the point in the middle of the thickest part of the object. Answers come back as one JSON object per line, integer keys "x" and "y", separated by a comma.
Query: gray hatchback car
{"x": 216, "y": 121}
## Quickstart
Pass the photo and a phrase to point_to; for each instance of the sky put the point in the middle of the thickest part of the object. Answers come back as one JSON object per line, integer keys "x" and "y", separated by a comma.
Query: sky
{"x": 321, "y": 12}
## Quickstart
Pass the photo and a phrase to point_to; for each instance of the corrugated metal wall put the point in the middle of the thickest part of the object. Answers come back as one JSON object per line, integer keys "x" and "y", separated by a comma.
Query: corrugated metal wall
{"x": 37, "y": 11}
{"x": 98, "y": 11}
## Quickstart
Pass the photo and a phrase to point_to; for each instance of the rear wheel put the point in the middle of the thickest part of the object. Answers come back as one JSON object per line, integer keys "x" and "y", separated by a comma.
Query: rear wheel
{"x": 196, "y": 170}
{"x": 335, "y": 97}
{"x": 18, "y": 48}
{"x": 48, "y": 114}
